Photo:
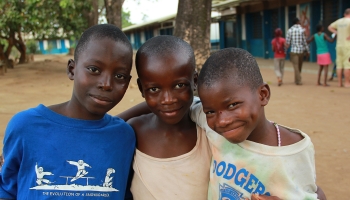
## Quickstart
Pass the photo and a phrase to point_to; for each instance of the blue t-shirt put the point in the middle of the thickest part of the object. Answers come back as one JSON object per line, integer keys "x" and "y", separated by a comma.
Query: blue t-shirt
{"x": 51, "y": 156}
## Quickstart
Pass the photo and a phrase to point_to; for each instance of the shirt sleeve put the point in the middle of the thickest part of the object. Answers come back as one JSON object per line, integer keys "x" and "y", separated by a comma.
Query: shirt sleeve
{"x": 305, "y": 43}
{"x": 12, "y": 159}
{"x": 197, "y": 114}
{"x": 288, "y": 38}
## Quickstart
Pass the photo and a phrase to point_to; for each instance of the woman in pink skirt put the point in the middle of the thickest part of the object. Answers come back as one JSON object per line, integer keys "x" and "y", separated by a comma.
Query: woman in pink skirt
{"x": 323, "y": 56}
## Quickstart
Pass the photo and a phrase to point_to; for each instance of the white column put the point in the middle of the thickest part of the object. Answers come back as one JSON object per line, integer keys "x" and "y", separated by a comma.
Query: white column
{"x": 143, "y": 38}
{"x": 286, "y": 20}
{"x": 244, "y": 34}
{"x": 58, "y": 44}
{"x": 155, "y": 32}
{"x": 298, "y": 11}
{"x": 66, "y": 44}
{"x": 45, "y": 43}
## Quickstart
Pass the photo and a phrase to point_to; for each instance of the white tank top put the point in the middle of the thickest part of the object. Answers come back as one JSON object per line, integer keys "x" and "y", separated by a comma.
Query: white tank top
{"x": 182, "y": 177}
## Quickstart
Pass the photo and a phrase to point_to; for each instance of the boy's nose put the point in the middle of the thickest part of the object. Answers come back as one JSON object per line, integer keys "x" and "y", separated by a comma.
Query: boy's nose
{"x": 105, "y": 83}
{"x": 223, "y": 120}
{"x": 167, "y": 98}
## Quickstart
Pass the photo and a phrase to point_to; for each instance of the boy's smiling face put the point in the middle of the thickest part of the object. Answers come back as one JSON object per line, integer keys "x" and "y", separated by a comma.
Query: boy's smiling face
{"x": 101, "y": 76}
{"x": 233, "y": 111}
{"x": 167, "y": 85}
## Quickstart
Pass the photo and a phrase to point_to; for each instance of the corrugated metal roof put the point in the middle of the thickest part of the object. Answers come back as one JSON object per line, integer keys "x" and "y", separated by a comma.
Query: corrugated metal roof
{"x": 217, "y": 5}
{"x": 156, "y": 21}
{"x": 221, "y": 4}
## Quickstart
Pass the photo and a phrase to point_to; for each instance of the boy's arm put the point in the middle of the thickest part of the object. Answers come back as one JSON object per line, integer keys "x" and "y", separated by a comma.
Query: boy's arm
{"x": 319, "y": 192}
{"x": 139, "y": 109}
{"x": 12, "y": 153}
{"x": 263, "y": 197}
{"x": 197, "y": 114}
{"x": 288, "y": 40}
{"x": 305, "y": 43}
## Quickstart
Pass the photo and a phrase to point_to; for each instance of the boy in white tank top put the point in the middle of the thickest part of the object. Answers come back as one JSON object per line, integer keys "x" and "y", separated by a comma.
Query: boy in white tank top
{"x": 173, "y": 156}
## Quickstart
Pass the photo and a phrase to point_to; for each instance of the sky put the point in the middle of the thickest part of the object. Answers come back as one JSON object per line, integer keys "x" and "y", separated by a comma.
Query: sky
{"x": 146, "y": 10}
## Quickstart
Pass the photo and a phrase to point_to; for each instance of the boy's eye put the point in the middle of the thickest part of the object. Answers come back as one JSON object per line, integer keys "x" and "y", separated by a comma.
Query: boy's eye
{"x": 180, "y": 85}
{"x": 232, "y": 105}
{"x": 120, "y": 76}
{"x": 209, "y": 113}
{"x": 94, "y": 70}
{"x": 154, "y": 89}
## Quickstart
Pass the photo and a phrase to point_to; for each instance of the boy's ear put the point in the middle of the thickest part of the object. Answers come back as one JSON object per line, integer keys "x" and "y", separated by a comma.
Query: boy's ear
{"x": 70, "y": 69}
{"x": 264, "y": 94}
{"x": 195, "y": 80}
{"x": 140, "y": 87}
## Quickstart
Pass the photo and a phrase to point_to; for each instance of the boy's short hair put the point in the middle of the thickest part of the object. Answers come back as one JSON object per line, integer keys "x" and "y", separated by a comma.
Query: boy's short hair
{"x": 100, "y": 31}
{"x": 235, "y": 64}
{"x": 164, "y": 45}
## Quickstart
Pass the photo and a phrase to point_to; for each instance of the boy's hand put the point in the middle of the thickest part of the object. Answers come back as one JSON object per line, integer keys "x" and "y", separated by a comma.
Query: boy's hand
{"x": 320, "y": 194}
{"x": 263, "y": 197}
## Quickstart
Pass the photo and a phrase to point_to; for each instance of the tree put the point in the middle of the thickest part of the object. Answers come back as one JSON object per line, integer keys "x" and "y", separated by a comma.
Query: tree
{"x": 114, "y": 12}
{"x": 41, "y": 19}
{"x": 126, "y": 19}
{"x": 192, "y": 24}
{"x": 92, "y": 15}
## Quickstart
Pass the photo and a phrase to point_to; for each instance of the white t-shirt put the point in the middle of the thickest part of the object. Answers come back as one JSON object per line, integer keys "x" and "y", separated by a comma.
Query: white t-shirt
{"x": 238, "y": 170}
{"x": 182, "y": 177}
{"x": 343, "y": 31}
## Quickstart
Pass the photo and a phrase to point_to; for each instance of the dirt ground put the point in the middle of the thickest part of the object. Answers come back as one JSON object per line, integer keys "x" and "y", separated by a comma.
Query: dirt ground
{"x": 321, "y": 112}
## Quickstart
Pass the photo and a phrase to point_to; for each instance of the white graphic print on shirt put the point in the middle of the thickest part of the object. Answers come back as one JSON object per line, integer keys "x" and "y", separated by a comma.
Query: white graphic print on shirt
{"x": 43, "y": 183}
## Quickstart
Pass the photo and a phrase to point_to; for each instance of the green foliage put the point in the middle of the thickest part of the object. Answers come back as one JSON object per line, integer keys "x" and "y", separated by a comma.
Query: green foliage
{"x": 44, "y": 19}
{"x": 126, "y": 19}
{"x": 32, "y": 46}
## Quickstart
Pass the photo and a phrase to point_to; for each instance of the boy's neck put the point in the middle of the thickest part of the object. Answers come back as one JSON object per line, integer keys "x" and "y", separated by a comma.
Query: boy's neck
{"x": 68, "y": 109}
{"x": 264, "y": 133}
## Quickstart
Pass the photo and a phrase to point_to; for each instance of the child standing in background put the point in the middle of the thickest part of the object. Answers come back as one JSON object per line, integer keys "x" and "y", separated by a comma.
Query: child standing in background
{"x": 323, "y": 56}
{"x": 278, "y": 44}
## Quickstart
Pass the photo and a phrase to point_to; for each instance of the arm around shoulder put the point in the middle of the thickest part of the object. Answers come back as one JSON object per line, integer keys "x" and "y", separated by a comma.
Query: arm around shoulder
{"x": 139, "y": 109}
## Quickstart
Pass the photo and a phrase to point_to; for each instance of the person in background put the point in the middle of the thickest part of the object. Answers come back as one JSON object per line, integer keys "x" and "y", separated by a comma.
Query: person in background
{"x": 323, "y": 56}
{"x": 278, "y": 47}
{"x": 297, "y": 41}
{"x": 341, "y": 27}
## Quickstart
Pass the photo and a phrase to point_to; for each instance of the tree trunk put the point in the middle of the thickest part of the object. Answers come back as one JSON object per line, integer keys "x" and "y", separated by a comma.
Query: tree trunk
{"x": 193, "y": 25}
{"x": 5, "y": 62}
{"x": 3, "y": 67}
{"x": 21, "y": 47}
{"x": 114, "y": 12}
{"x": 92, "y": 16}
{"x": 6, "y": 53}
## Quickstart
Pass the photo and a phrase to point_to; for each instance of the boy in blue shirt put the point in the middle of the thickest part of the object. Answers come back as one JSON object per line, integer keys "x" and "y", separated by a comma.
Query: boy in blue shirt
{"x": 74, "y": 149}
